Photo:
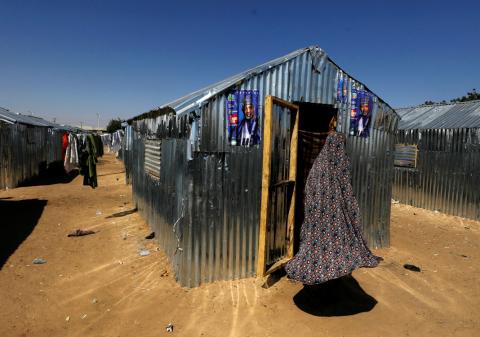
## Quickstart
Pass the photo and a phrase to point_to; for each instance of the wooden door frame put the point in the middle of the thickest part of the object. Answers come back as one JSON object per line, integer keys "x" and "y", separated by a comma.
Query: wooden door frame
{"x": 267, "y": 154}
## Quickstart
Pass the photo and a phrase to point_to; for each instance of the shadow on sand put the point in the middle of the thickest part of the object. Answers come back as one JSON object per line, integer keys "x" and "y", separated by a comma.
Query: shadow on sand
{"x": 339, "y": 297}
{"x": 53, "y": 174}
{"x": 18, "y": 219}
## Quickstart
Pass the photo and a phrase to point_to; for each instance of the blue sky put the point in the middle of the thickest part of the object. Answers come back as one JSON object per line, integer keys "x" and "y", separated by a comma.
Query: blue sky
{"x": 70, "y": 60}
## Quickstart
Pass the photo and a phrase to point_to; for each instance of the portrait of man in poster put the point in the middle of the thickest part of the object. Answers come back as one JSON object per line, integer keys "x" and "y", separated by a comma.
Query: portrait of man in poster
{"x": 364, "y": 116}
{"x": 243, "y": 118}
{"x": 248, "y": 132}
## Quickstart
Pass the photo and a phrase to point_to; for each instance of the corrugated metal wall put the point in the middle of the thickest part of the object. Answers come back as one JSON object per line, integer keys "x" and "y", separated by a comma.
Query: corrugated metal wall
{"x": 372, "y": 175}
{"x": 24, "y": 150}
{"x": 447, "y": 176}
{"x": 127, "y": 153}
{"x": 206, "y": 209}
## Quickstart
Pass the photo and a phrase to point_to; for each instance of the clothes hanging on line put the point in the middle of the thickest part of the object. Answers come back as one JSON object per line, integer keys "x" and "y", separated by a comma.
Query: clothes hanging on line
{"x": 64, "y": 144}
{"x": 106, "y": 139}
{"x": 88, "y": 161}
{"x": 98, "y": 145}
{"x": 117, "y": 138}
{"x": 71, "y": 160}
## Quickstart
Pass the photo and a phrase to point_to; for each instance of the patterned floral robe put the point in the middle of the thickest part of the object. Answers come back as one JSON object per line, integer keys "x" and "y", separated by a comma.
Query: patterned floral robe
{"x": 331, "y": 242}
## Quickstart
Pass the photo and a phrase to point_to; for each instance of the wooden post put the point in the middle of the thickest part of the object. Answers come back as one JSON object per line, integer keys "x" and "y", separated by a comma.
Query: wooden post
{"x": 292, "y": 177}
{"x": 267, "y": 151}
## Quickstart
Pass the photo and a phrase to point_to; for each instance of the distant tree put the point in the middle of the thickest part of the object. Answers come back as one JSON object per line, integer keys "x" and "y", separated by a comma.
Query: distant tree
{"x": 471, "y": 96}
{"x": 114, "y": 125}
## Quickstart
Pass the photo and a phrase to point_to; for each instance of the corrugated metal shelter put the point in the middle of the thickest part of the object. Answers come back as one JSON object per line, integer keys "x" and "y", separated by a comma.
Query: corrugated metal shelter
{"x": 27, "y": 146}
{"x": 447, "y": 175}
{"x": 209, "y": 199}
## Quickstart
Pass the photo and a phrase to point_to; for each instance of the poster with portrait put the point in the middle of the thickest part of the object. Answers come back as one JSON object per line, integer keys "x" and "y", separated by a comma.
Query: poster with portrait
{"x": 243, "y": 118}
{"x": 342, "y": 89}
{"x": 361, "y": 113}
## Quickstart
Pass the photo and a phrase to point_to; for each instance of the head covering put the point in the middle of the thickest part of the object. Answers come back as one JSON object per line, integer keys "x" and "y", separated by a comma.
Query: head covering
{"x": 331, "y": 242}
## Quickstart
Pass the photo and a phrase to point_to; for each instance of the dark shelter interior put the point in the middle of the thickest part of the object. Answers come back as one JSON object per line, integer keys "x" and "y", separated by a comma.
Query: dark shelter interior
{"x": 315, "y": 121}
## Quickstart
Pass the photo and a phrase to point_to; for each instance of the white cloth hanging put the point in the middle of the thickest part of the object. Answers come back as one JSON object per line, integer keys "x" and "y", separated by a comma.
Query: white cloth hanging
{"x": 117, "y": 137}
{"x": 71, "y": 161}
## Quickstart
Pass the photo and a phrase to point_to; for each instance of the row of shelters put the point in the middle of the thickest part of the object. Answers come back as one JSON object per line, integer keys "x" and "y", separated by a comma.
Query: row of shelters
{"x": 224, "y": 198}
{"x": 437, "y": 164}
{"x": 28, "y": 145}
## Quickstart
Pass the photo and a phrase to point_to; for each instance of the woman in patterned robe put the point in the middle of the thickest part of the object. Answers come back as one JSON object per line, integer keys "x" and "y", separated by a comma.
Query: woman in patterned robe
{"x": 331, "y": 242}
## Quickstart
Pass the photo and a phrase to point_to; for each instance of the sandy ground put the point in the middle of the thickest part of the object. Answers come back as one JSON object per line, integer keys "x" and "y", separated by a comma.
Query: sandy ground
{"x": 98, "y": 285}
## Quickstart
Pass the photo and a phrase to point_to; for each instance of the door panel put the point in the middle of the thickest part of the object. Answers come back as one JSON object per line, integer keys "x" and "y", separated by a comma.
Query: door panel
{"x": 280, "y": 134}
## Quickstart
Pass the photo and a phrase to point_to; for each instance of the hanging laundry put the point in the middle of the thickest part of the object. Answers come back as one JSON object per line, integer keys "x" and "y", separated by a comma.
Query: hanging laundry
{"x": 71, "y": 161}
{"x": 331, "y": 241}
{"x": 88, "y": 162}
{"x": 81, "y": 137}
{"x": 106, "y": 140}
{"x": 98, "y": 145}
{"x": 64, "y": 144}
{"x": 117, "y": 138}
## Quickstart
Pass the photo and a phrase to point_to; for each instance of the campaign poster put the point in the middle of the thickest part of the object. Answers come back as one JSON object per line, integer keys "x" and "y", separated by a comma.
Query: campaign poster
{"x": 243, "y": 118}
{"x": 342, "y": 89}
{"x": 361, "y": 113}
{"x": 354, "y": 113}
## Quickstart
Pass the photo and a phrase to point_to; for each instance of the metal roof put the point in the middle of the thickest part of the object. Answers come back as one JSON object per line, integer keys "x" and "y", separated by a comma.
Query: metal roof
{"x": 10, "y": 117}
{"x": 441, "y": 116}
{"x": 194, "y": 100}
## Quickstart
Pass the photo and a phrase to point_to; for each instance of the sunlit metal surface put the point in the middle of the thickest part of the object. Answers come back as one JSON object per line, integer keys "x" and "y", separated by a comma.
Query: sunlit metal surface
{"x": 205, "y": 207}
{"x": 447, "y": 176}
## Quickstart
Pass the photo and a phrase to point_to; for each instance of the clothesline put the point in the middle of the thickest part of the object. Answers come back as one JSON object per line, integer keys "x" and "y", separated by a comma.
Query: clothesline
{"x": 81, "y": 151}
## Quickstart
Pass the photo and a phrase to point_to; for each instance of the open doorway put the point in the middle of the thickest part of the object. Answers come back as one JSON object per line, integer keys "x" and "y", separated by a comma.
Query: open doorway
{"x": 293, "y": 135}
{"x": 315, "y": 121}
